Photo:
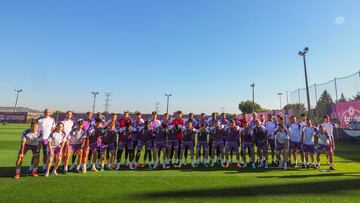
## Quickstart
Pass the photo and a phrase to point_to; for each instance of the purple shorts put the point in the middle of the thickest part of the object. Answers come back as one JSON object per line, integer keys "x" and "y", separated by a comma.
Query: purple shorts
{"x": 140, "y": 145}
{"x": 322, "y": 147}
{"x": 261, "y": 144}
{"x": 75, "y": 147}
{"x": 280, "y": 147}
{"x": 27, "y": 147}
{"x": 295, "y": 145}
{"x": 218, "y": 145}
{"x": 110, "y": 147}
{"x": 128, "y": 145}
{"x": 309, "y": 148}
{"x": 247, "y": 145}
{"x": 55, "y": 150}
{"x": 203, "y": 144}
{"x": 189, "y": 145}
{"x": 159, "y": 145}
{"x": 271, "y": 143}
{"x": 93, "y": 147}
{"x": 232, "y": 145}
{"x": 173, "y": 143}
{"x": 45, "y": 147}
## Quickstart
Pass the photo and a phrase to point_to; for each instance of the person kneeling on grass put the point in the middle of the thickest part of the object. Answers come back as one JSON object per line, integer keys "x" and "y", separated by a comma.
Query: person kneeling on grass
{"x": 56, "y": 140}
{"x": 108, "y": 144}
{"x": 76, "y": 144}
{"x": 282, "y": 146}
{"x": 324, "y": 142}
{"x": 30, "y": 140}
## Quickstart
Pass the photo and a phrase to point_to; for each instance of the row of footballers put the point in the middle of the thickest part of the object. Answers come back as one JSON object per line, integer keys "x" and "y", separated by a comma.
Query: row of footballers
{"x": 217, "y": 139}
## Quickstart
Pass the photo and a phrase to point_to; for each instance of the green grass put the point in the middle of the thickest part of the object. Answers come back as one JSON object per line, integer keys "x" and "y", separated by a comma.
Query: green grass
{"x": 199, "y": 185}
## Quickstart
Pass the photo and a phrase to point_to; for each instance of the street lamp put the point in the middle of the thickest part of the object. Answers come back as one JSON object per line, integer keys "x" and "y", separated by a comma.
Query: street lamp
{"x": 95, "y": 94}
{"x": 17, "y": 97}
{"x": 280, "y": 94}
{"x": 167, "y": 102}
{"x": 303, "y": 53}
{"x": 253, "y": 96}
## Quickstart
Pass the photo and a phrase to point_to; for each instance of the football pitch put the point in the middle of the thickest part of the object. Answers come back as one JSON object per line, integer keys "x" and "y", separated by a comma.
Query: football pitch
{"x": 187, "y": 184}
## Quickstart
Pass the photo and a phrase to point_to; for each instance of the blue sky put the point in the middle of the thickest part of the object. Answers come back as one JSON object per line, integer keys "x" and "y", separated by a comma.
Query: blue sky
{"x": 206, "y": 53}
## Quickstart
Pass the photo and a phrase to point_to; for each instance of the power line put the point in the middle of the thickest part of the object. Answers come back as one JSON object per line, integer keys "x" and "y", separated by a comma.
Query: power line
{"x": 107, "y": 101}
{"x": 157, "y": 107}
{"x": 95, "y": 94}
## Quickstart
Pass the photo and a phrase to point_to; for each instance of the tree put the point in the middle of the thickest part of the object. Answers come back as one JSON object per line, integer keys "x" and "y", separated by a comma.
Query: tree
{"x": 297, "y": 108}
{"x": 323, "y": 105}
{"x": 247, "y": 107}
{"x": 357, "y": 96}
{"x": 342, "y": 98}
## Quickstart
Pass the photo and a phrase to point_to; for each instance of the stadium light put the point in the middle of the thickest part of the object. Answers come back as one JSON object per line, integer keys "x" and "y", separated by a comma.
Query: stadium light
{"x": 280, "y": 94}
{"x": 95, "y": 94}
{"x": 253, "y": 96}
{"x": 303, "y": 54}
{"x": 167, "y": 102}
{"x": 17, "y": 97}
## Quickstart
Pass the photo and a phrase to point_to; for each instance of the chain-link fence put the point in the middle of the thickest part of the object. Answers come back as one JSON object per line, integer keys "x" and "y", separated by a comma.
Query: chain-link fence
{"x": 343, "y": 89}
{"x": 349, "y": 86}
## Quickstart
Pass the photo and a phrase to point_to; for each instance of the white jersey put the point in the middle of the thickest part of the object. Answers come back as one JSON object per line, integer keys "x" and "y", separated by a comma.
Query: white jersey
{"x": 329, "y": 127}
{"x": 295, "y": 132}
{"x": 281, "y": 137}
{"x": 270, "y": 129}
{"x": 309, "y": 132}
{"x": 55, "y": 139}
{"x": 31, "y": 138}
{"x": 46, "y": 125}
{"x": 324, "y": 138}
{"x": 76, "y": 136}
{"x": 68, "y": 125}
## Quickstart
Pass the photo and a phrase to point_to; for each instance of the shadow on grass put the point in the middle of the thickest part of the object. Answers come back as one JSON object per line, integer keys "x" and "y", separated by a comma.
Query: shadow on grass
{"x": 328, "y": 174}
{"x": 321, "y": 187}
{"x": 348, "y": 151}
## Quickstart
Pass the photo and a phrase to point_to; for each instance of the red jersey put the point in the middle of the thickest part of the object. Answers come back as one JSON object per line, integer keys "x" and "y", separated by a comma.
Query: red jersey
{"x": 178, "y": 121}
{"x": 123, "y": 121}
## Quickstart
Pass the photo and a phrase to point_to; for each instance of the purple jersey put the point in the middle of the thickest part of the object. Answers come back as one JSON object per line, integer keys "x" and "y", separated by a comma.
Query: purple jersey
{"x": 217, "y": 134}
{"x": 247, "y": 135}
{"x": 202, "y": 123}
{"x": 259, "y": 133}
{"x": 231, "y": 134}
{"x": 138, "y": 123}
{"x": 126, "y": 134}
{"x": 146, "y": 135}
{"x": 211, "y": 122}
{"x": 161, "y": 134}
{"x": 252, "y": 124}
{"x": 88, "y": 123}
{"x": 109, "y": 137}
{"x": 167, "y": 122}
{"x": 173, "y": 133}
{"x": 203, "y": 136}
{"x": 94, "y": 134}
{"x": 192, "y": 121}
{"x": 189, "y": 135}
{"x": 224, "y": 122}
